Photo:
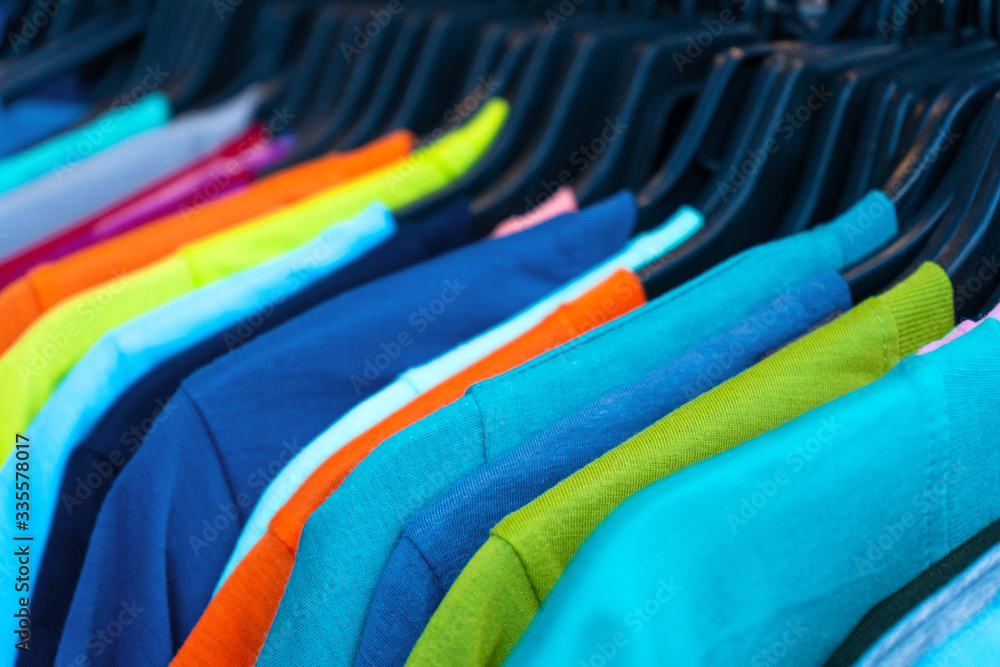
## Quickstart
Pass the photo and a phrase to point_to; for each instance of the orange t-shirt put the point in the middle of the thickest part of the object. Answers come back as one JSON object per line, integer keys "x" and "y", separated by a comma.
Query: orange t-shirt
{"x": 28, "y": 297}
{"x": 233, "y": 628}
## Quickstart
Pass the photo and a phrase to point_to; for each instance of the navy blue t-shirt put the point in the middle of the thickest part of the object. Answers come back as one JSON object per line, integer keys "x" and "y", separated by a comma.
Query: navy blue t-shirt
{"x": 439, "y": 540}
{"x": 171, "y": 519}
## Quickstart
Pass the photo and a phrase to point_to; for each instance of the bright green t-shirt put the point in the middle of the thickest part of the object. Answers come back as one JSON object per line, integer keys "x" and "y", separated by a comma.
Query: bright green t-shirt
{"x": 32, "y": 368}
{"x": 66, "y": 150}
{"x": 495, "y": 597}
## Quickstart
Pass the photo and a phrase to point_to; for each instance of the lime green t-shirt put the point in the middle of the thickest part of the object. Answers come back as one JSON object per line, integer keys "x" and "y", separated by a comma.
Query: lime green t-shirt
{"x": 495, "y": 597}
{"x": 35, "y": 364}
{"x": 65, "y": 150}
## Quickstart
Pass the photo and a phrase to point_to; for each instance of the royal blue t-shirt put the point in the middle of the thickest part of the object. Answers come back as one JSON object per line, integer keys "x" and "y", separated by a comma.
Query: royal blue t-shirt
{"x": 171, "y": 519}
{"x": 440, "y": 539}
{"x": 115, "y": 438}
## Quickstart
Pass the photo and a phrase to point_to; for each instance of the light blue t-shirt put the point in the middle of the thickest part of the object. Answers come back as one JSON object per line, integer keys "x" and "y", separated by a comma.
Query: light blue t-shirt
{"x": 352, "y": 535}
{"x": 125, "y": 354}
{"x": 953, "y": 621}
{"x": 778, "y": 547}
{"x": 68, "y": 149}
{"x": 413, "y": 382}
{"x": 73, "y": 192}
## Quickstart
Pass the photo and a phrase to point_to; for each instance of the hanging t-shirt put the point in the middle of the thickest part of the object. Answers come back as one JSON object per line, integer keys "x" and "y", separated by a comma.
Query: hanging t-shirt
{"x": 45, "y": 285}
{"x": 354, "y": 532}
{"x": 37, "y": 362}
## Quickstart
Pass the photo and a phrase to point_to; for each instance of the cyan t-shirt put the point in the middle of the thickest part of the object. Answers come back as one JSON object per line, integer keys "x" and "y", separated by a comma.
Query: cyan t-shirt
{"x": 778, "y": 547}
{"x": 440, "y": 539}
{"x": 351, "y": 537}
{"x": 173, "y": 515}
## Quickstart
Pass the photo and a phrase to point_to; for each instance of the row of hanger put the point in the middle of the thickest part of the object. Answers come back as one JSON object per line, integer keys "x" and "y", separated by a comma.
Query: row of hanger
{"x": 777, "y": 119}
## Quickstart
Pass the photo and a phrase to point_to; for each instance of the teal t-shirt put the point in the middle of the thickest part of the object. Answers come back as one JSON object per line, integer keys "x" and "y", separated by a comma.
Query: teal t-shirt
{"x": 778, "y": 547}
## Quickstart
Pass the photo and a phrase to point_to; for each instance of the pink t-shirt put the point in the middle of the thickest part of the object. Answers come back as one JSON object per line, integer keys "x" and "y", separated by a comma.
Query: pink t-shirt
{"x": 561, "y": 202}
{"x": 962, "y": 328}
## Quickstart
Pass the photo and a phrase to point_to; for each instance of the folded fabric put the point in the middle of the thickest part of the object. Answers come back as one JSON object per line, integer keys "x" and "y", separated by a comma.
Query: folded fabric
{"x": 45, "y": 285}
{"x": 244, "y": 415}
{"x": 125, "y": 357}
{"x": 419, "y": 390}
{"x": 234, "y": 625}
{"x": 439, "y": 540}
{"x": 777, "y": 547}
{"x": 37, "y": 362}
{"x": 125, "y": 118}
{"x": 353, "y": 534}
{"x": 236, "y": 160}
{"x": 55, "y": 200}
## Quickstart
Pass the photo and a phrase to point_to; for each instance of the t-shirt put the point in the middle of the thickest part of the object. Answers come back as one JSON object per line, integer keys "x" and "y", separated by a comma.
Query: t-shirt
{"x": 775, "y": 549}
{"x": 38, "y": 361}
{"x": 238, "y": 420}
{"x": 68, "y": 150}
{"x": 90, "y": 461}
{"x": 417, "y": 392}
{"x": 235, "y": 157}
{"x": 56, "y": 199}
{"x": 354, "y": 532}
{"x": 439, "y": 540}
{"x": 47, "y": 284}
{"x": 234, "y": 625}
{"x": 562, "y": 201}
{"x": 528, "y": 550}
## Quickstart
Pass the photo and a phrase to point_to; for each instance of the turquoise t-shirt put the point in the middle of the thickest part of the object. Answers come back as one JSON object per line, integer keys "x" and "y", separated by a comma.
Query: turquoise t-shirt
{"x": 67, "y": 150}
{"x": 353, "y": 534}
{"x": 778, "y": 547}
